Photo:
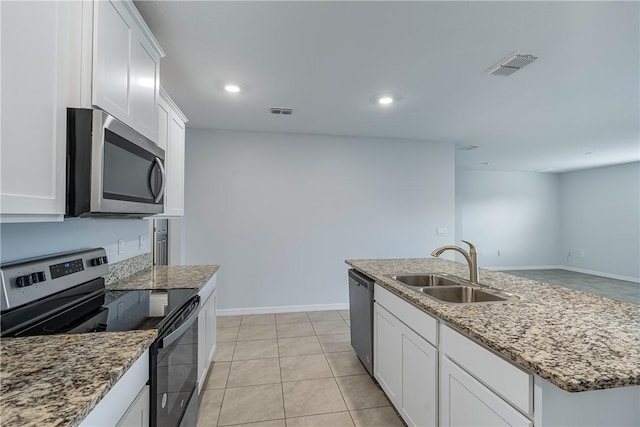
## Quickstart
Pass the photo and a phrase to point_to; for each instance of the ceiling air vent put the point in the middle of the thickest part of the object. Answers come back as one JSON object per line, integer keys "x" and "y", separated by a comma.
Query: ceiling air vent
{"x": 468, "y": 147}
{"x": 281, "y": 111}
{"x": 511, "y": 64}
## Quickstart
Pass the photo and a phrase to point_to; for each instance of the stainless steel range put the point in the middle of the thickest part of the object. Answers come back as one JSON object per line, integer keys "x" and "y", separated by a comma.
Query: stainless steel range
{"x": 65, "y": 293}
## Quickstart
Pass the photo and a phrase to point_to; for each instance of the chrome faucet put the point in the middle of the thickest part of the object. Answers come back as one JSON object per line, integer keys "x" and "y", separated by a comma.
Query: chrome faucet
{"x": 471, "y": 257}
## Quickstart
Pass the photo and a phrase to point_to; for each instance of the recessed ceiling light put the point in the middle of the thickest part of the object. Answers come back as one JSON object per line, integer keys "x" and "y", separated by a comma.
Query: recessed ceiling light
{"x": 385, "y": 100}
{"x": 232, "y": 88}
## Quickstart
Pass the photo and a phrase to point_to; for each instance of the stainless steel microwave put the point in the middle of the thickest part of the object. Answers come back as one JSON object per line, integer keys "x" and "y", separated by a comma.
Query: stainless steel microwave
{"x": 112, "y": 170}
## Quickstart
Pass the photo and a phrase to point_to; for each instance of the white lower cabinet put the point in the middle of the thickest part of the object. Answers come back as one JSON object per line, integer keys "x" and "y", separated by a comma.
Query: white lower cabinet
{"x": 387, "y": 353}
{"x": 464, "y": 401}
{"x": 138, "y": 413}
{"x": 206, "y": 329}
{"x": 127, "y": 403}
{"x": 406, "y": 367}
{"x": 419, "y": 380}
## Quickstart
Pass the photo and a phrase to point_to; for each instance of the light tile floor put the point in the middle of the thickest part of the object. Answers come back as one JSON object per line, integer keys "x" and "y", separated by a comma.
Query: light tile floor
{"x": 291, "y": 369}
{"x": 615, "y": 289}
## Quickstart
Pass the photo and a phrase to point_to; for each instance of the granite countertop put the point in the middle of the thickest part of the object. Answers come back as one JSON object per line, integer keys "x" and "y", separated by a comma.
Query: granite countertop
{"x": 162, "y": 277}
{"x": 56, "y": 380}
{"x": 575, "y": 340}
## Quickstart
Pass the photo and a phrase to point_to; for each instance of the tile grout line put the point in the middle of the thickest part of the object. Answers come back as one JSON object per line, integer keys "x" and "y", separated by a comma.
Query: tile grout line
{"x": 284, "y": 410}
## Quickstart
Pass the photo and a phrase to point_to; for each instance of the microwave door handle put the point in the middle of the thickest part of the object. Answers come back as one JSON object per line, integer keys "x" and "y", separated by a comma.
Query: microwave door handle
{"x": 164, "y": 179}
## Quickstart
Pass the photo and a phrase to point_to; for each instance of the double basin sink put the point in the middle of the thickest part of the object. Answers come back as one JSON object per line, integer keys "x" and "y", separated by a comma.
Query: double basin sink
{"x": 452, "y": 289}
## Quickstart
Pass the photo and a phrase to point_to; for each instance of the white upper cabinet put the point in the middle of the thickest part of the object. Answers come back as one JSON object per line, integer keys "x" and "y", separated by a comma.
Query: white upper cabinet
{"x": 171, "y": 138}
{"x": 126, "y": 66}
{"x": 41, "y": 56}
{"x": 74, "y": 54}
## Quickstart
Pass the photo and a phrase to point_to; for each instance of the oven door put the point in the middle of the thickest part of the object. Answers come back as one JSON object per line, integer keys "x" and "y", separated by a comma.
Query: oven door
{"x": 177, "y": 368}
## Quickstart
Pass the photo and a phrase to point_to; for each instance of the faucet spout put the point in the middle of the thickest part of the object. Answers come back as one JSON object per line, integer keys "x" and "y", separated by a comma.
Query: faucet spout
{"x": 471, "y": 257}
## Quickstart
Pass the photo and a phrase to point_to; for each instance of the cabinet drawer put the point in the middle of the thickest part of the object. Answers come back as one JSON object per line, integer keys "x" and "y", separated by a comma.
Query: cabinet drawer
{"x": 425, "y": 325}
{"x": 510, "y": 382}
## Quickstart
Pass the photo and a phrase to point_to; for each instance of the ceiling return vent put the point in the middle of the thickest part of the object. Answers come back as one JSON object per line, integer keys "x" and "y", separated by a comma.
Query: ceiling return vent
{"x": 281, "y": 111}
{"x": 511, "y": 64}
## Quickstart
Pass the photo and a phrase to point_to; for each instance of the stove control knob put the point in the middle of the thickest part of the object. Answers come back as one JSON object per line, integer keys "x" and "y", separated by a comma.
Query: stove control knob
{"x": 22, "y": 281}
{"x": 97, "y": 261}
{"x": 38, "y": 277}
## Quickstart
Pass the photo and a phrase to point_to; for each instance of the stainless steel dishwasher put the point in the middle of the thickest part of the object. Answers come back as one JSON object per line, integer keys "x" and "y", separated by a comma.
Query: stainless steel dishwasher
{"x": 361, "y": 315}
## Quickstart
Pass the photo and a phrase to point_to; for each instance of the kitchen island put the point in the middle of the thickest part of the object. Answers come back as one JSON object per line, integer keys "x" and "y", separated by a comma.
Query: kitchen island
{"x": 570, "y": 341}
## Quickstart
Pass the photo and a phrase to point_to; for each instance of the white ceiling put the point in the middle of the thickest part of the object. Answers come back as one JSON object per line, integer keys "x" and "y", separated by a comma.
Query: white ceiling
{"x": 329, "y": 60}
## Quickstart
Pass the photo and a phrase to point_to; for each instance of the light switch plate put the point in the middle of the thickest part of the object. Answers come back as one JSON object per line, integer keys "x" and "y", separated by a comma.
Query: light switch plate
{"x": 120, "y": 246}
{"x": 142, "y": 241}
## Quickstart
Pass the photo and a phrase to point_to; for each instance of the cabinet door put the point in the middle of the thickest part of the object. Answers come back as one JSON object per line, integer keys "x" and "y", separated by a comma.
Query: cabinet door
{"x": 125, "y": 67}
{"x": 138, "y": 413}
{"x": 419, "y": 380}
{"x": 164, "y": 114}
{"x": 40, "y": 55}
{"x": 206, "y": 335}
{"x": 202, "y": 346}
{"x": 174, "y": 190}
{"x": 112, "y": 59}
{"x": 211, "y": 326}
{"x": 387, "y": 353}
{"x": 144, "y": 87}
{"x": 466, "y": 402}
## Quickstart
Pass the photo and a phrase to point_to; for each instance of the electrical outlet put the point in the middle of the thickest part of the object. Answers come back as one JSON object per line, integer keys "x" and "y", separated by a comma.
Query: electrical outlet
{"x": 120, "y": 246}
{"x": 142, "y": 241}
{"x": 441, "y": 231}
{"x": 582, "y": 254}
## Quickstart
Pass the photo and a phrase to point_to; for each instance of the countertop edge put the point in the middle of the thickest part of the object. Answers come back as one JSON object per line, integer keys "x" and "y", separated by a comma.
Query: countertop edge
{"x": 157, "y": 278}
{"x": 144, "y": 346}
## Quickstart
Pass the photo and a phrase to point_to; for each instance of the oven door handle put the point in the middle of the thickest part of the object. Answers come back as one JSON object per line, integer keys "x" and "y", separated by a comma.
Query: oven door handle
{"x": 176, "y": 334}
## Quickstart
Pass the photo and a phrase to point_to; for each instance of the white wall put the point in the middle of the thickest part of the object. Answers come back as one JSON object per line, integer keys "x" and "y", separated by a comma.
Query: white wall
{"x": 600, "y": 213}
{"x": 516, "y": 213}
{"x": 20, "y": 241}
{"x": 281, "y": 212}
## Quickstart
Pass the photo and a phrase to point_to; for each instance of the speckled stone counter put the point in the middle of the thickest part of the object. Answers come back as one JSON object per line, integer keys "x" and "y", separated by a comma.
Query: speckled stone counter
{"x": 57, "y": 380}
{"x": 166, "y": 277}
{"x": 575, "y": 340}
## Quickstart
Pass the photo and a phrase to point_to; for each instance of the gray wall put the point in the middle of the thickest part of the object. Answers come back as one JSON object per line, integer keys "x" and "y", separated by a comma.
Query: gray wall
{"x": 19, "y": 241}
{"x": 281, "y": 212}
{"x": 601, "y": 217}
{"x": 515, "y": 213}
{"x": 536, "y": 219}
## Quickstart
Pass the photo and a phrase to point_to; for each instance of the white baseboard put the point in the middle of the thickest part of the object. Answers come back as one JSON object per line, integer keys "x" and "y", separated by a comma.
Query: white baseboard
{"x": 568, "y": 268}
{"x": 527, "y": 267}
{"x": 601, "y": 274}
{"x": 281, "y": 309}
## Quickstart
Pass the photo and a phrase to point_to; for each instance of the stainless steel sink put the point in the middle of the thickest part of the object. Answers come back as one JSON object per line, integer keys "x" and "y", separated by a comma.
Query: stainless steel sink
{"x": 428, "y": 280}
{"x": 468, "y": 294}
{"x": 452, "y": 289}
